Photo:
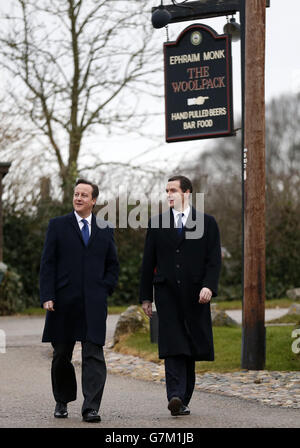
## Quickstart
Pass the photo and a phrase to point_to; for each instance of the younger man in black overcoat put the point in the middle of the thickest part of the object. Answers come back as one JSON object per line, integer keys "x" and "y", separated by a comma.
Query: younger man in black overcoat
{"x": 184, "y": 268}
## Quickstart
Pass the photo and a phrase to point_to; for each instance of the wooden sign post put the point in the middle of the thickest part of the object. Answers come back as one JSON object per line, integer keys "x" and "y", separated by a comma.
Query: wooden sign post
{"x": 253, "y": 337}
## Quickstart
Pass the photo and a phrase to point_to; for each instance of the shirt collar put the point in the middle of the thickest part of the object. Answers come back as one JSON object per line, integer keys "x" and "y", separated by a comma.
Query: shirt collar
{"x": 79, "y": 218}
{"x": 185, "y": 212}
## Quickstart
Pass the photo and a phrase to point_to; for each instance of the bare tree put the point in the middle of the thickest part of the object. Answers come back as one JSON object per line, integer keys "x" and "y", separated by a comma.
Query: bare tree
{"x": 77, "y": 66}
{"x": 283, "y": 136}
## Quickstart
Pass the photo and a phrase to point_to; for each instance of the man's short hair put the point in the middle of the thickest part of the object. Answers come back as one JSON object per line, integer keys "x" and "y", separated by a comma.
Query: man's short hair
{"x": 185, "y": 183}
{"x": 95, "y": 192}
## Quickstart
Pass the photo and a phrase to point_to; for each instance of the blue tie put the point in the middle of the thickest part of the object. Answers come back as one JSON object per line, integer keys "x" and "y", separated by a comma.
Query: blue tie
{"x": 85, "y": 231}
{"x": 179, "y": 223}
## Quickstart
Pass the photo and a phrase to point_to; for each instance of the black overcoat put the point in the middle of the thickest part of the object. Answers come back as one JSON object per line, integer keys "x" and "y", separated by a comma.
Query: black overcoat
{"x": 78, "y": 278}
{"x": 178, "y": 267}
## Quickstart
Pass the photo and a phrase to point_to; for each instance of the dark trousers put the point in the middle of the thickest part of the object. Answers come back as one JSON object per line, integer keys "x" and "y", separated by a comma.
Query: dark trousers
{"x": 180, "y": 377}
{"x": 63, "y": 376}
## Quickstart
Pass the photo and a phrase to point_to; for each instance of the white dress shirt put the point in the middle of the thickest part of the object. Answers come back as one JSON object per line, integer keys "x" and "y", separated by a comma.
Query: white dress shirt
{"x": 185, "y": 212}
{"x": 81, "y": 224}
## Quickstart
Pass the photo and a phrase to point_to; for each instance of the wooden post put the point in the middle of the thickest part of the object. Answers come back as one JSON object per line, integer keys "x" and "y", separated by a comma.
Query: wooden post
{"x": 253, "y": 337}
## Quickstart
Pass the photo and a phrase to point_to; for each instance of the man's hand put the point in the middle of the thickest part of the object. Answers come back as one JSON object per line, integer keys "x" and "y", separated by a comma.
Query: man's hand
{"x": 205, "y": 295}
{"x": 49, "y": 306}
{"x": 147, "y": 308}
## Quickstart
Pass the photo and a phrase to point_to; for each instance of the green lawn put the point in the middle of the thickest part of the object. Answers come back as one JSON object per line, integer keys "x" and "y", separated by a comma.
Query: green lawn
{"x": 227, "y": 342}
{"x": 237, "y": 304}
{"x": 222, "y": 305}
{"x": 38, "y": 311}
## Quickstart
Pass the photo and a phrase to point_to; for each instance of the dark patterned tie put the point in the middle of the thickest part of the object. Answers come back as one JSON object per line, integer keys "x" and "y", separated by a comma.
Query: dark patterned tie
{"x": 85, "y": 231}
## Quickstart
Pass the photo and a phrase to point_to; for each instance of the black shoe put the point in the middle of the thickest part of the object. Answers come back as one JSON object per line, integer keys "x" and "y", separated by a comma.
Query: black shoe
{"x": 175, "y": 404}
{"x": 61, "y": 410}
{"x": 91, "y": 416}
{"x": 184, "y": 410}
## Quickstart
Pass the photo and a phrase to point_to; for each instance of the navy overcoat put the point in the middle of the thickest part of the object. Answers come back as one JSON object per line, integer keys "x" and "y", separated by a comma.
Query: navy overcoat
{"x": 177, "y": 267}
{"x": 78, "y": 278}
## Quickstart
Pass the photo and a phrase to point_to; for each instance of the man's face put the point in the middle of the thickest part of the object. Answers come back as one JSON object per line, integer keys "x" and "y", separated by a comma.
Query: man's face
{"x": 176, "y": 197}
{"x": 83, "y": 202}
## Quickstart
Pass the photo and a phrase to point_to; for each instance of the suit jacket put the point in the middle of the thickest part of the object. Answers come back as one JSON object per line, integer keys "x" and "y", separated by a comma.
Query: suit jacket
{"x": 78, "y": 278}
{"x": 177, "y": 268}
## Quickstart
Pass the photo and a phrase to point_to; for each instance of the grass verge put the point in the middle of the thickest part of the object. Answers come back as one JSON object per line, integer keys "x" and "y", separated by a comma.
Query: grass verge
{"x": 286, "y": 319}
{"x": 237, "y": 304}
{"x": 227, "y": 343}
{"x": 38, "y": 311}
{"x": 222, "y": 305}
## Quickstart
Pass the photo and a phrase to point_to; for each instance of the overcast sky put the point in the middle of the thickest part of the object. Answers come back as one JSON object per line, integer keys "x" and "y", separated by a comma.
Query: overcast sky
{"x": 282, "y": 75}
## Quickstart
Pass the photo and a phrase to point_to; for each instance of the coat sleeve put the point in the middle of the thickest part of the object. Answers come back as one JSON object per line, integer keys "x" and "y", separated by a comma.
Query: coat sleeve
{"x": 48, "y": 266}
{"x": 111, "y": 265}
{"x": 148, "y": 266}
{"x": 213, "y": 257}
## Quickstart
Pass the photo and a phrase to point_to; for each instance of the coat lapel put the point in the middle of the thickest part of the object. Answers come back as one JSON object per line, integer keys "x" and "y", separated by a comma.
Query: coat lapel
{"x": 74, "y": 224}
{"x": 195, "y": 223}
{"x": 94, "y": 231}
{"x": 191, "y": 220}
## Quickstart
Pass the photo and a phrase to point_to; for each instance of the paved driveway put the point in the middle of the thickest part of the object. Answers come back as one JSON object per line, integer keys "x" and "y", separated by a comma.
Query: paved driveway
{"x": 26, "y": 400}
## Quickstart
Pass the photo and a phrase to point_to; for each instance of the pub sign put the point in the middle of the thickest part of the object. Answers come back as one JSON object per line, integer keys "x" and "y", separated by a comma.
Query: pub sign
{"x": 198, "y": 85}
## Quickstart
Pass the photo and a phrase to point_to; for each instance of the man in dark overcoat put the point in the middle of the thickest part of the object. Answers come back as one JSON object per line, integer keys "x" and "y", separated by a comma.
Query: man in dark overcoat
{"x": 182, "y": 261}
{"x": 79, "y": 269}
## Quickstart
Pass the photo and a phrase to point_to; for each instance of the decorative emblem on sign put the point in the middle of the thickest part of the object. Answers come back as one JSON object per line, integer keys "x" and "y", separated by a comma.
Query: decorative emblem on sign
{"x": 196, "y": 38}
